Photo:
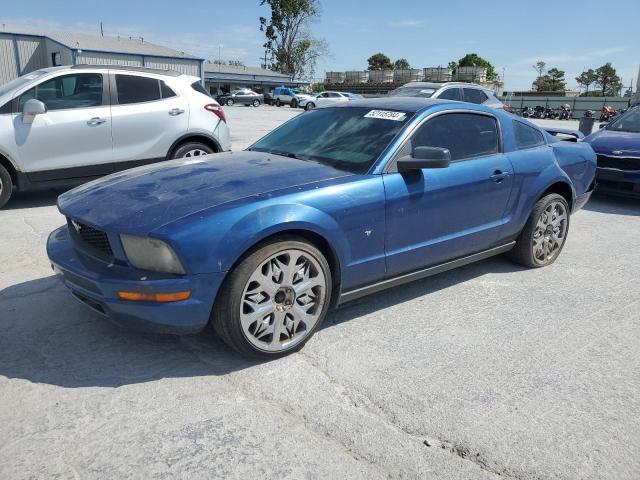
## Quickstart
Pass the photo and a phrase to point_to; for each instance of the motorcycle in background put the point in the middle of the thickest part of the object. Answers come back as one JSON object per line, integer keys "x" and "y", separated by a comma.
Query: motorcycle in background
{"x": 565, "y": 112}
{"x": 608, "y": 112}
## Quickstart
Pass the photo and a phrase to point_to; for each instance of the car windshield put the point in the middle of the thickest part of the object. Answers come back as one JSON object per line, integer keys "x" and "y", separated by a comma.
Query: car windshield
{"x": 346, "y": 138}
{"x": 18, "y": 82}
{"x": 424, "y": 92}
{"x": 627, "y": 122}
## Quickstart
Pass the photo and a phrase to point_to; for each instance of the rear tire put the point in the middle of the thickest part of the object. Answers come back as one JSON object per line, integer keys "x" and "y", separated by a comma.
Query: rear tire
{"x": 192, "y": 149}
{"x": 229, "y": 102}
{"x": 545, "y": 233}
{"x": 278, "y": 103}
{"x": 6, "y": 186}
{"x": 256, "y": 103}
{"x": 281, "y": 288}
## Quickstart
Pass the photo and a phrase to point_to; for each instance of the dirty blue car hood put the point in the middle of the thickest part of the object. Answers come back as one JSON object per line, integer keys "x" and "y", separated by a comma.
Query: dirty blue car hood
{"x": 607, "y": 141}
{"x": 145, "y": 198}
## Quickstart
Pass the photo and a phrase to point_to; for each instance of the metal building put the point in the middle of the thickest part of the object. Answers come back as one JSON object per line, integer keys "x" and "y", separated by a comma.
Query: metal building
{"x": 224, "y": 78}
{"x": 23, "y": 51}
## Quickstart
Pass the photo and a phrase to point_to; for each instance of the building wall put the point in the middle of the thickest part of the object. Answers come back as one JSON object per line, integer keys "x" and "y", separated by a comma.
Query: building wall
{"x": 32, "y": 52}
{"x": 8, "y": 67}
{"x": 100, "y": 58}
{"x": 188, "y": 67}
{"x": 66, "y": 57}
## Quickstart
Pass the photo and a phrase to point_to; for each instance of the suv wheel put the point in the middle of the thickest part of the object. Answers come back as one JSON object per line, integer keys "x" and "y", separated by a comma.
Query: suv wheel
{"x": 6, "y": 186}
{"x": 278, "y": 102}
{"x": 274, "y": 300}
{"x": 192, "y": 149}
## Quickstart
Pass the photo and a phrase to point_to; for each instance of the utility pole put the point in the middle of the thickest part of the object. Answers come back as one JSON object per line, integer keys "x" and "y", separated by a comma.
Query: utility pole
{"x": 101, "y": 30}
{"x": 219, "y": 56}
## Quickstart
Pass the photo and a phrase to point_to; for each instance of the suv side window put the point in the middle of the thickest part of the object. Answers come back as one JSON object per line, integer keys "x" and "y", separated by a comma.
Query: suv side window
{"x": 474, "y": 95}
{"x": 526, "y": 136}
{"x": 79, "y": 90}
{"x": 466, "y": 135}
{"x": 166, "y": 91}
{"x": 135, "y": 89}
{"x": 451, "y": 94}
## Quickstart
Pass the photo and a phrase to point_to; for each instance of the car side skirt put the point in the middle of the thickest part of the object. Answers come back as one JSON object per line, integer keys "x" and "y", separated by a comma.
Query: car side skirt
{"x": 426, "y": 272}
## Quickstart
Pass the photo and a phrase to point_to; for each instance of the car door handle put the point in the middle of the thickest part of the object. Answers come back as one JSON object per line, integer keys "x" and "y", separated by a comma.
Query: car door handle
{"x": 95, "y": 121}
{"x": 176, "y": 111}
{"x": 499, "y": 175}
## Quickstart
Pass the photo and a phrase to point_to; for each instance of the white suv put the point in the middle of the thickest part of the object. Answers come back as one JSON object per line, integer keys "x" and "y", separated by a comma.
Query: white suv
{"x": 67, "y": 125}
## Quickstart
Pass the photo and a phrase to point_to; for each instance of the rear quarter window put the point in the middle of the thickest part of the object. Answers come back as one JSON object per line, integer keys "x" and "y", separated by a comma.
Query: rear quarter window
{"x": 527, "y": 136}
{"x": 474, "y": 95}
{"x": 198, "y": 87}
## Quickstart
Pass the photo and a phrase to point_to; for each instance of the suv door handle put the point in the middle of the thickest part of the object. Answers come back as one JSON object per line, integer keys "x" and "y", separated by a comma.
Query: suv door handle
{"x": 176, "y": 111}
{"x": 499, "y": 175}
{"x": 95, "y": 121}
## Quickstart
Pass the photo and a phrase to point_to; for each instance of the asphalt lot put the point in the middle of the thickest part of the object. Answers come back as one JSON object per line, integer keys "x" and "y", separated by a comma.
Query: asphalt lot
{"x": 490, "y": 371}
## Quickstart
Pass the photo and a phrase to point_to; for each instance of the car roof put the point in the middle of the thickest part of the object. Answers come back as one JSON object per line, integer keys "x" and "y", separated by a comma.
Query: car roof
{"x": 443, "y": 84}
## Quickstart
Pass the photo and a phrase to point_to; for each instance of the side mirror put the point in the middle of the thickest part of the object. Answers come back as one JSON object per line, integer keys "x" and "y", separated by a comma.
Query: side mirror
{"x": 602, "y": 125}
{"x": 425, "y": 157}
{"x": 32, "y": 108}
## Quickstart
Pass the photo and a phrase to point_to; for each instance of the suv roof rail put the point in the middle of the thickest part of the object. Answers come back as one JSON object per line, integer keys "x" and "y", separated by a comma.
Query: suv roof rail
{"x": 170, "y": 73}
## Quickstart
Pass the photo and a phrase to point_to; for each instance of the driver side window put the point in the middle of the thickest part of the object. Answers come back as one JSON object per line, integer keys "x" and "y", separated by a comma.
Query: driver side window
{"x": 465, "y": 135}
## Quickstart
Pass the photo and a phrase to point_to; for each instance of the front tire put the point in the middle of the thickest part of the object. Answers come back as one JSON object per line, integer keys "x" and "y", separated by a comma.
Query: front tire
{"x": 274, "y": 300}
{"x": 544, "y": 234}
{"x": 192, "y": 149}
{"x": 230, "y": 102}
{"x": 278, "y": 103}
{"x": 256, "y": 103}
{"x": 310, "y": 106}
{"x": 6, "y": 186}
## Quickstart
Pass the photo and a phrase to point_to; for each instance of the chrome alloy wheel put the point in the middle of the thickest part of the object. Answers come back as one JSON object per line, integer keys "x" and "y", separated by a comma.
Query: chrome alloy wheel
{"x": 196, "y": 152}
{"x": 283, "y": 300}
{"x": 550, "y": 232}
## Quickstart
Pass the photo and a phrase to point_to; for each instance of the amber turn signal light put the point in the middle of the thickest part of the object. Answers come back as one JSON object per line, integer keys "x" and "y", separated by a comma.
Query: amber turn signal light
{"x": 154, "y": 297}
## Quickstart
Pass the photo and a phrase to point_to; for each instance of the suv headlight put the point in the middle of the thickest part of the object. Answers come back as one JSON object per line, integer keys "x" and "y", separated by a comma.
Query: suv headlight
{"x": 151, "y": 254}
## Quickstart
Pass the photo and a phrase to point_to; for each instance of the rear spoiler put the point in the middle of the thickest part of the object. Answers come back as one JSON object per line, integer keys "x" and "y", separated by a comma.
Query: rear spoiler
{"x": 574, "y": 135}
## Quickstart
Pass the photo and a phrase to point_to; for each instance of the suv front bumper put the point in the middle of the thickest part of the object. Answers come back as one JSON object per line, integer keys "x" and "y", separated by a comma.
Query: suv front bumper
{"x": 96, "y": 284}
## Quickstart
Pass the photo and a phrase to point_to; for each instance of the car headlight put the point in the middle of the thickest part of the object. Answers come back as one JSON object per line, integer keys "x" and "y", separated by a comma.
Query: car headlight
{"x": 151, "y": 254}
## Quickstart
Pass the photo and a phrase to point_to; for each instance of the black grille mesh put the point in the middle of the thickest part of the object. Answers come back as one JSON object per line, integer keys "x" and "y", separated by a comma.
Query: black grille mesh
{"x": 621, "y": 163}
{"x": 94, "y": 238}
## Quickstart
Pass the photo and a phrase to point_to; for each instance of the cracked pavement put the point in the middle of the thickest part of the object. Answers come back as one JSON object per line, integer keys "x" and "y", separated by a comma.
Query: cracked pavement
{"x": 489, "y": 371}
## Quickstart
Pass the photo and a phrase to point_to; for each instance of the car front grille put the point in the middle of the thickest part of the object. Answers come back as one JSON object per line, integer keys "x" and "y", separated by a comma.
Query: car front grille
{"x": 96, "y": 241}
{"x": 621, "y": 163}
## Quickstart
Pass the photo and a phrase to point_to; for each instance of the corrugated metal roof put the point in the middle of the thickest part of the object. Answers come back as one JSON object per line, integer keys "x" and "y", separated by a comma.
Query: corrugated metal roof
{"x": 83, "y": 41}
{"x": 229, "y": 69}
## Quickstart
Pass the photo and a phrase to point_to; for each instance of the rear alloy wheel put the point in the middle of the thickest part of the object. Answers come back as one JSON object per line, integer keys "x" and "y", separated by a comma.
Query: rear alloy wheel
{"x": 192, "y": 149}
{"x": 256, "y": 103}
{"x": 544, "y": 234}
{"x": 6, "y": 186}
{"x": 274, "y": 300}
{"x": 310, "y": 106}
{"x": 229, "y": 102}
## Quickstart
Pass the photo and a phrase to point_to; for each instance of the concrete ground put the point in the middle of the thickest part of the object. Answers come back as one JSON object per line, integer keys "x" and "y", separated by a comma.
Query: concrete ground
{"x": 490, "y": 371}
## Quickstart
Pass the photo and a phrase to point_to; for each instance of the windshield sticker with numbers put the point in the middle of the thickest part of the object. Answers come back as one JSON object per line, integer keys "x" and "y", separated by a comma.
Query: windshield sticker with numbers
{"x": 386, "y": 115}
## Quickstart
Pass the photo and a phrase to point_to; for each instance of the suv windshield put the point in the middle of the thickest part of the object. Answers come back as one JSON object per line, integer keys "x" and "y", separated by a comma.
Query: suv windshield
{"x": 628, "y": 122}
{"x": 346, "y": 138}
{"x": 424, "y": 92}
{"x": 18, "y": 82}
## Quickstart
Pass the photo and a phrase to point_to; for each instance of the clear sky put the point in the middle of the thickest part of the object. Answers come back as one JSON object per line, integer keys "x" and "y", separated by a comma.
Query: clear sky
{"x": 512, "y": 34}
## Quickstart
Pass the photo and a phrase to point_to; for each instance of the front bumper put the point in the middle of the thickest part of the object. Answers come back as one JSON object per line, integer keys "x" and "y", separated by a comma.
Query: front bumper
{"x": 619, "y": 182}
{"x": 96, "y": 284}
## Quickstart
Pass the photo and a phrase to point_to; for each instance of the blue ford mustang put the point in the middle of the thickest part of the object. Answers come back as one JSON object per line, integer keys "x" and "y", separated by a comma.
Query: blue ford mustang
{"x": 617, "y": 145}
{"x": 335, "y": 204}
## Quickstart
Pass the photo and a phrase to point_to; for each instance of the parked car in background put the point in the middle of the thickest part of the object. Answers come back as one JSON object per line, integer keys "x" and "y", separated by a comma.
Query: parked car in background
{"x": 243, "y": 96}
{"x": 463, "y": 92}
{"x": 289, "y": 96}
{"x": 337, "y": 203}
{"x": 66, "y": 125}
{"x": 618, "y": 147}
{"x": 327, "y": 98}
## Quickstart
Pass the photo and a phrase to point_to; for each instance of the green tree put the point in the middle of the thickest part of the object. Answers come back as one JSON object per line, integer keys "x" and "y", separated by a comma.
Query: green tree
{"x": 401, "y": 64}
{"x": 586, "y": 78}
{"x": 379, "y": 61}
{"x": 453, "y": 66}
{"x": 551, "y": 81}
{"x": 295, "y": 51}
{"x": 474, "y": 60}
{"x": 608, "y": 80}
